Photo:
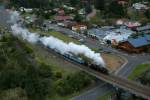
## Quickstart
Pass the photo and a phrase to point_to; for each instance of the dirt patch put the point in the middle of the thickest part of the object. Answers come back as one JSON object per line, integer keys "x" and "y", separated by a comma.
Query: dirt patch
{"x": 112, "y": 61}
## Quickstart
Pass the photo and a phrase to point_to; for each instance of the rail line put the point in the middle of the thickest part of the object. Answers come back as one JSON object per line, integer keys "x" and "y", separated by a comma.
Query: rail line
{"x": 131, "y": 86}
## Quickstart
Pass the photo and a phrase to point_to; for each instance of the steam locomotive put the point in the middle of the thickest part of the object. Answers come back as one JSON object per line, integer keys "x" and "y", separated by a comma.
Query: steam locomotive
{"x": 80, "y": 60}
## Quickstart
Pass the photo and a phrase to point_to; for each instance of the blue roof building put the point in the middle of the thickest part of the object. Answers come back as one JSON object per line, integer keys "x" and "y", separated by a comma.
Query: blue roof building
{"x": 139, "y": 42}
{"x": 138, "y": 45}
{"x": 97, "y": 33}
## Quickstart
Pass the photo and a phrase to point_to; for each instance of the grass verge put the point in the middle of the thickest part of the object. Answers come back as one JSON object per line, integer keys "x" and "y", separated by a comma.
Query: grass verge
{"x": 140, "y": 69}
{"x": 58, "y": 35}
{"x": 106, "y": 96}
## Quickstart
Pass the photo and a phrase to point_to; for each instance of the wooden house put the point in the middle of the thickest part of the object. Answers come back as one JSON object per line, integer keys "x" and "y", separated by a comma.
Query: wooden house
{"x": 137, "y": 45}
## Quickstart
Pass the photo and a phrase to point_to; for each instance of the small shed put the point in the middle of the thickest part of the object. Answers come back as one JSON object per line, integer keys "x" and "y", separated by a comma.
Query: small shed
{"x": 79, "y": 27}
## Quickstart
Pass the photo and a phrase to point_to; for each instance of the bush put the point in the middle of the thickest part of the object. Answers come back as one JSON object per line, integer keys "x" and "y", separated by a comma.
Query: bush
{"x": 58, "y": 75}
{"x": 72, "y": 83}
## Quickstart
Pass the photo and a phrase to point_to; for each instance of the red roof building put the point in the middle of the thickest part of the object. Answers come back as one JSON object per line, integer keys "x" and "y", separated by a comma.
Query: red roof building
{"x": 123, "y": 2}
{"x": 61, "y": 12}
{"x": 63, "y": 18}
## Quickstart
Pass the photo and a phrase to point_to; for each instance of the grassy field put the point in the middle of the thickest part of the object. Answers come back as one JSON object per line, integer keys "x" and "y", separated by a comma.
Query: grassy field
{"x": 147, "y": 35}
{"x": 63, "y": 37}
{"x": 58, "y": 35}
{"x": 140, "y": 69}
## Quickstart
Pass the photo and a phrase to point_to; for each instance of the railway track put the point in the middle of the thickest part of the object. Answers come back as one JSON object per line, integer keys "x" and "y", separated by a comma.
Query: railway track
{"x": 131, "y": 86}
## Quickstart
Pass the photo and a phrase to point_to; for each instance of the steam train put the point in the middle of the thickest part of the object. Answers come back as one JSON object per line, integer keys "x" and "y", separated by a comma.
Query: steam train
{"x": 91, "y": 65}
{"x": 73, "y": 58}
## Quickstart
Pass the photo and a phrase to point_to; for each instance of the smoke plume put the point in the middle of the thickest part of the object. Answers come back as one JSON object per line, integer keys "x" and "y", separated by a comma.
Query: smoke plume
{"x": 53, "y": 42}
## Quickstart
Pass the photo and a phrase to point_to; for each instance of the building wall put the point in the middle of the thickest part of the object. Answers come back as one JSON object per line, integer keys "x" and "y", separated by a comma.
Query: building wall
{"x": 126, "y": 46}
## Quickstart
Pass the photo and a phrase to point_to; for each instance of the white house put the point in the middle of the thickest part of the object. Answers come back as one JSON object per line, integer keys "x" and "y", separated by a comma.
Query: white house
{"x": 140, "y": 6}
{"x": 79, "y": 27}
{"x": 118, "y": 35}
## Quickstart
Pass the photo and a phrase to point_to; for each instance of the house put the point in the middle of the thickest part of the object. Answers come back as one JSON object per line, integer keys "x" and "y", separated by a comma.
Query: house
{"x": 68, "y": 7}
{"x": 61, "y": 12}
{"x": 96, "y": 33}
{"x": 137, "y": 45}
{"x": 82, "y": 12}
{"x": 132, "y": 24}
{"x": 118, "y": 35}
{"x": 67, "y": 24}
{"x": 123, "y": 2}
{"x": 62, "y": 18}
{"x": 144, "y": 29}
{"x": 140, "y": 7}
{"x": 108, "y": 28}
{"x": 56, "y": 9}
{"x": 79, "y": 27}
{"x": 121, "y": 21}
{"x": 27, "y": 10}
{"x": 129, "y": 24}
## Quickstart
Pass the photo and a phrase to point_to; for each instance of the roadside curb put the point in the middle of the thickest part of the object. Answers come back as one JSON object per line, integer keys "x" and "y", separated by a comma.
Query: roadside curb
{"x": 126, "y": 61}
{"x": 90, "y": 90}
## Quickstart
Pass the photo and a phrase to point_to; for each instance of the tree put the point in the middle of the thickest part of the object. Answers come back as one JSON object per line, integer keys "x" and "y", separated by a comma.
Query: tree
{"x": 14, "y": 94}
{"x": 78, "y": 18}
{"x": 88, "y": 8}
{"x": 33, "y": 77}
{"x": 74, "y": 2}
{"x": 30, "y": 3}
{"x": 100, "y": 4}
{"x": 72, "y": 83}
{"x": 116, "y": 10}
{"x": 147, "y": 14}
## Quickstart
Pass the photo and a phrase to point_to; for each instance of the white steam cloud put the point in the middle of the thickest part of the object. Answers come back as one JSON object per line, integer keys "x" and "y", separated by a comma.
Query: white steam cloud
{"x": 53, "y": 42}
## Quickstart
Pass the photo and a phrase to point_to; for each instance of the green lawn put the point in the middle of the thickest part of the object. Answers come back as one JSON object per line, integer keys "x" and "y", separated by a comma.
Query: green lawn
{"x": 57, "y": 97}
{"x": 140, "y": 69}
{"x": 58, "y": 35}
{"x": 63, "y": 37}
{"x": 26, "y": 14}
{"x": 106, "y": 96}
{"x": 96, "y": 49}
{"x": 147, "y": 35}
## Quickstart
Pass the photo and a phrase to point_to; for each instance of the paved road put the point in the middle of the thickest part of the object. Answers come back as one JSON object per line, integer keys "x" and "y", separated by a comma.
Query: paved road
{"x": 92, "y": 14}
{"x": 101, "y": 90}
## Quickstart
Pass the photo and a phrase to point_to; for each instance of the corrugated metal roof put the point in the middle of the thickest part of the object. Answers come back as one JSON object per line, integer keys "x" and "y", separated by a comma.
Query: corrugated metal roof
{"x": 139, "y": 42}
{"x": 118, "y": 35}
{"x": 146, "y": 27}
{"x": 97, "y": 32}
{"x": 146, "y": 32}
